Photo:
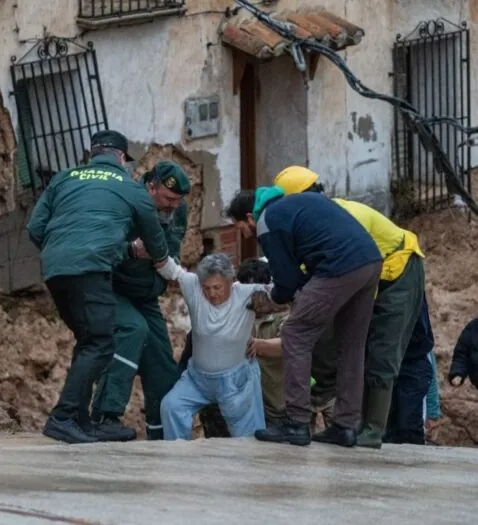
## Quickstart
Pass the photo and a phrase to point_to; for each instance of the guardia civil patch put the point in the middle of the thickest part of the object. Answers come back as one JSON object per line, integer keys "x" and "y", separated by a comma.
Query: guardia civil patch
{"x": 170, "y": 182}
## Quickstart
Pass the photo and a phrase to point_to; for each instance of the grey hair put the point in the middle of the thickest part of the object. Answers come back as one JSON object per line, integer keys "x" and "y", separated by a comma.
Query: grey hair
{"x": 215, "y": 264}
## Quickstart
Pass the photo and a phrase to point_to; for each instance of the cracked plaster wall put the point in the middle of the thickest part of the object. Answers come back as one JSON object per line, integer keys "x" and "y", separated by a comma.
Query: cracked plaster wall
{"x": 148, "y": 71}
{"x": 349, "y": 136}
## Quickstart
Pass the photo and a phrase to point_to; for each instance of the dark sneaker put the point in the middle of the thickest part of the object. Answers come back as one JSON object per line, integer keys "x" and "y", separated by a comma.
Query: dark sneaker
{"x": 286, "y": 431}
{"x": 335, "y": 435}
{"x": 110, "y": 428}
{"x": 68, "y": 431}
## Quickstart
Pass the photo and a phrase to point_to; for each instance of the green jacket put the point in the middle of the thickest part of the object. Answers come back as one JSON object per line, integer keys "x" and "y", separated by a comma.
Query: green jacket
{"x": 137, "y": 279}
{"x": 84, "y": 217}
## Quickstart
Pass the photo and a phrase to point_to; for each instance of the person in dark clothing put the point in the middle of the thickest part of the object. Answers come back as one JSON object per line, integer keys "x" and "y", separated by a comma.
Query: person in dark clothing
{"x": 405, "y": 423}
{"x": 81, "y": 224}
{"x": 465, "y": 357}
{"x": 342, "y": 269}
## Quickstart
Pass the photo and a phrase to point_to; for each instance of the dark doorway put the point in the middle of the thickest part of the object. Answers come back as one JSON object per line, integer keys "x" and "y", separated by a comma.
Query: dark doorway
{"x": 248, "y": 144}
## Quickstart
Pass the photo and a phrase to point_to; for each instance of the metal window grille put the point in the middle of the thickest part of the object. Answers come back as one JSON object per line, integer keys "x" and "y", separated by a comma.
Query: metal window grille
{"x": 107, "y": 8}
{"x": 432, "y": 72}
{"x": 60, "y": 105}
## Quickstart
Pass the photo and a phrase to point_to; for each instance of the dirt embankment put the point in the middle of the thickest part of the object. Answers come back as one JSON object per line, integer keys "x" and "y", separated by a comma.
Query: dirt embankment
{"x": 450, "y": 243}
{"x": 35, "y": 350}
{"x": 35, "y": 347}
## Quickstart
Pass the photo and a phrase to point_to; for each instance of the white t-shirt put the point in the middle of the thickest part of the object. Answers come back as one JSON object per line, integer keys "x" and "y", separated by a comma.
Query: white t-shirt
{"x": 219, "y": 333}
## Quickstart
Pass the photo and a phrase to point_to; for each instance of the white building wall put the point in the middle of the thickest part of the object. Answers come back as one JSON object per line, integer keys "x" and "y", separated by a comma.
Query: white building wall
{"x": 148, "y": 71}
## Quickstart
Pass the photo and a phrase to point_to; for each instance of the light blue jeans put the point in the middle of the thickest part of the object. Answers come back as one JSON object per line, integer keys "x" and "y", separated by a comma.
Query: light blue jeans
{"x": 237, "y": 391}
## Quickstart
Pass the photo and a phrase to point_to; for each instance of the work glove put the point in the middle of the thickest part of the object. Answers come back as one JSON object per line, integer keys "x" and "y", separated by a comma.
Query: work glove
{"x": 170, "y": 271}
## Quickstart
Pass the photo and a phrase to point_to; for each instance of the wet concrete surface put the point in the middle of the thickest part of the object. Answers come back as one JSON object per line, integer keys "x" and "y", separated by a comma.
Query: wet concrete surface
{"x": 232, "y": 482}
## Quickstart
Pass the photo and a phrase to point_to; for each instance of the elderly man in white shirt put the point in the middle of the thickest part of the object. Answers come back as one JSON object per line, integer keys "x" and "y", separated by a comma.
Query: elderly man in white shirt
{"x": 219, "y": 371}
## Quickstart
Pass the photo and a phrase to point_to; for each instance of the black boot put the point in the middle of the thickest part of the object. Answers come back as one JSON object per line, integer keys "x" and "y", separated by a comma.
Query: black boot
{"x": 154, "y": 434}
{"x": 335, "y": 435}
{"x": 110, "y": 428}
{"x": 286, "y": 431}
{"x": 68, "y": 431}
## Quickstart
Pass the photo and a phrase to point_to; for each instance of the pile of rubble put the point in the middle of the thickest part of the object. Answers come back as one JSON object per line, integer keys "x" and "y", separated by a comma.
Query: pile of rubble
{"x": 450, "y": 243}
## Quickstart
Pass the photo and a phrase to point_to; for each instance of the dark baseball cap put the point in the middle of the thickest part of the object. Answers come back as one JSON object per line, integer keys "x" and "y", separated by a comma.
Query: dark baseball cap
{"x": 112, "y": 139}
{"x": 171, "y": 175}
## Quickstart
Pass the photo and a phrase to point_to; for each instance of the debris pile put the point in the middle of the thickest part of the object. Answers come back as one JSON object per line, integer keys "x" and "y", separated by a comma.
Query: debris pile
{"x": 450, "y": 244}
{"x": 7, "y": 149}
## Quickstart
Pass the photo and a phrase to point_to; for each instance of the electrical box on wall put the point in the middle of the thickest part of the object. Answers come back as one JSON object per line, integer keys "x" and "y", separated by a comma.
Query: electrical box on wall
{"x": 201, "y": 117}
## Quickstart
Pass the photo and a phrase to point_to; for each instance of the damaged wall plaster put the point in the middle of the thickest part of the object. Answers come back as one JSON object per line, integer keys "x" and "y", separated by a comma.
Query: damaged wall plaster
{"x": 7, "y": 166}
{"x": 211, "y": 209}
{"x": 144, "y": 92}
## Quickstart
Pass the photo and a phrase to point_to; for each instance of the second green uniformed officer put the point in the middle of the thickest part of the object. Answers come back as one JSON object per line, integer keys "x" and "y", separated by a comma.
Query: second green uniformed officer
{"x": 141, "y": 337}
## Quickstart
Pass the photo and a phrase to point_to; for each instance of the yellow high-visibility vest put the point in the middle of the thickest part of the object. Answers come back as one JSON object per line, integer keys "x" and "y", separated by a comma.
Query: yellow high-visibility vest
{"x": 395, "y": 244}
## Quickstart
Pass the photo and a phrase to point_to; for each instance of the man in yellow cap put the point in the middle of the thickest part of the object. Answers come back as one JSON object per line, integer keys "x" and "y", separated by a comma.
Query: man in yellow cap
{"x": 397, "y": 305}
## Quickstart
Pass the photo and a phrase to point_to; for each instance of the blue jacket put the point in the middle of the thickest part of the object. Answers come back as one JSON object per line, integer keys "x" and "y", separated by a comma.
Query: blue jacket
{"x": 308, "y": 229}
{"x": 465, "y": 356}
{"x": 422, "y": 340}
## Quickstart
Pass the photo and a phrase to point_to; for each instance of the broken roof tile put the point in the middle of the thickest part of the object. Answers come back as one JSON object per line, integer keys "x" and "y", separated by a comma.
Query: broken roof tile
{"x": 256, "y": 39}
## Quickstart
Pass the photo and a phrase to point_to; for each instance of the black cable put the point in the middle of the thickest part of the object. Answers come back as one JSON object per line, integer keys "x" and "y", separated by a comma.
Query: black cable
{"x": 208, "y": 12}
{"x": 419, "y": 124}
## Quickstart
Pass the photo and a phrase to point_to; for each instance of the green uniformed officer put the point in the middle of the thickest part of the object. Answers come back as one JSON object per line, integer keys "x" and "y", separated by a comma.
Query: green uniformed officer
{"x": 82, "y": 223}
{"x": 141, "y": 336}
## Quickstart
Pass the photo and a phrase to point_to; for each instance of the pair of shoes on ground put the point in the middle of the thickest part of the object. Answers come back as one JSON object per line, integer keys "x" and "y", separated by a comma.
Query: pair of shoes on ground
{"x": 295, "y": 433}
{"x": 109, "y": 428}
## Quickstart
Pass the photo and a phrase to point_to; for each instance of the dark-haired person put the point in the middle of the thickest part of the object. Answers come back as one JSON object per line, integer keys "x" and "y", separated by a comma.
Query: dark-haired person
{"x": 141, "y": 337}
{"x": 342, "y": 269}
{"x": 81, "y": 224}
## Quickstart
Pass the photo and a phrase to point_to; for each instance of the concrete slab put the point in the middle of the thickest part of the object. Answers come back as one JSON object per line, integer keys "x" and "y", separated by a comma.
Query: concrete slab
{"x": 235, "y": 482}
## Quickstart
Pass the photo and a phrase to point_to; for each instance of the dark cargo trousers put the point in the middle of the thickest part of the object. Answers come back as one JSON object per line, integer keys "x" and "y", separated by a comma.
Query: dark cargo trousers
{"x": 347, "y": 302}
{"x": 395, "y": 313}
{"x": 142, "y": 347}
{"x": 86, "y": 304}
{"x": 405, "y": 422}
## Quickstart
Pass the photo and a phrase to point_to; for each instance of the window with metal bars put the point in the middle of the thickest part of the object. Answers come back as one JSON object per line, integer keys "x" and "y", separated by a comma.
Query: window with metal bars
{"x": 432, "y": 72}
{"x": 97, "y": 13}
{"x": 60, "y": 105}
